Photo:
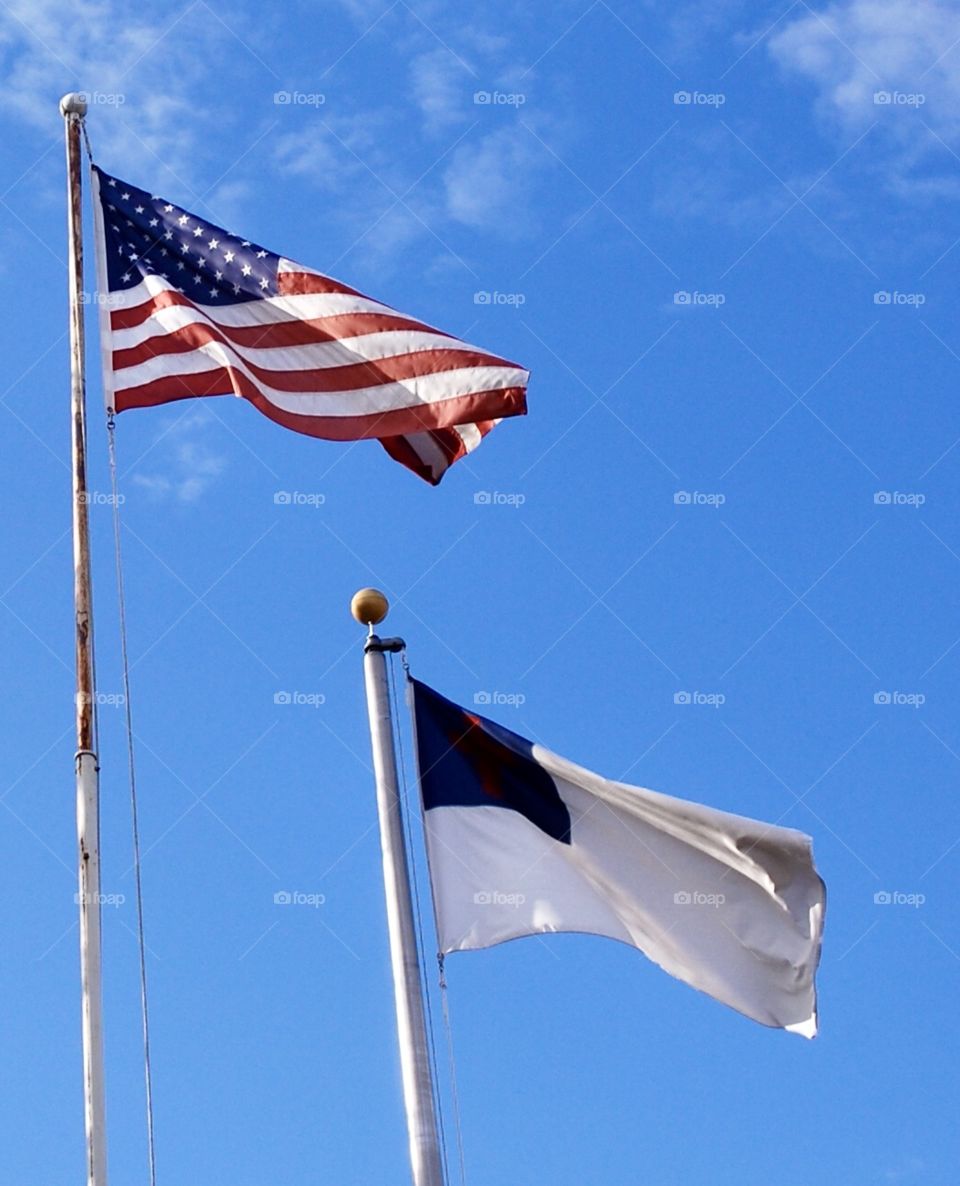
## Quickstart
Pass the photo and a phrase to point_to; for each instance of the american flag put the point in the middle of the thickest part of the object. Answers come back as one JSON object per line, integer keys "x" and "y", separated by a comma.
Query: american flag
{"x": 189, "y": 309}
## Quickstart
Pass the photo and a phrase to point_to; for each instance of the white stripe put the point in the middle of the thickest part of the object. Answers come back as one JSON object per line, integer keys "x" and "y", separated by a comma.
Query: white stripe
{"x": 383, "y": 397}
{"x": 470, "y": 435}
{"x": 429, "y": 452}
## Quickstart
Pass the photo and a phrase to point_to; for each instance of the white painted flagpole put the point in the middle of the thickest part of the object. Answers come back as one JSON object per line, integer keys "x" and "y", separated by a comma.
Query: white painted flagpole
{"x": 370, "y": 607}
{"x": 73, "y": 108}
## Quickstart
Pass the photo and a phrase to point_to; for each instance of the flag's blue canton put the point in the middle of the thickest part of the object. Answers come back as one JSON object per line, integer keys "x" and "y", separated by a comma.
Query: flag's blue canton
{"x": 468, "y": 761}
{"x": 147, "y": 235}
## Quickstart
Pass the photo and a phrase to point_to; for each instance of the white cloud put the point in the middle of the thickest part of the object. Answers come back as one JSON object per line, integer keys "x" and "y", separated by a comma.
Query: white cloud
{"x": 442, "y": 88}
{"x": 229, "y": 201}
{"x": 691, "y": 28}
{"x": 858, "y": 49}
{"x": 143, "y": 73}
{"x": 313, "y": 153}
{"x": 387, "y": 239}
{"x": 365, "y": 12}
{"x": 701, "y": 177}
{"x": 333, "y": 152}
{"x": 391, "y": 201}
{"x": 183, "y": 464}
{"x": 409, "y": 148}
{"x": 908, "y": 1169}
{"x": 489, "y": 180}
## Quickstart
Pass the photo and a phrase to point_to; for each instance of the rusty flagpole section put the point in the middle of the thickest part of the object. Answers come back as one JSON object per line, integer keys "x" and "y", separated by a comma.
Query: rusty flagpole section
{"x": 73, "y": 107}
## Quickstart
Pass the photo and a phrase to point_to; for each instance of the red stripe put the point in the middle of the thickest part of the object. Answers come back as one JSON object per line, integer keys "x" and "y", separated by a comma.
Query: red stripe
{"x": 448, "y": 440}
{"x": 349, "y": 377}
{"x": 304, "y": 283}
{"x": 461, "y": 409}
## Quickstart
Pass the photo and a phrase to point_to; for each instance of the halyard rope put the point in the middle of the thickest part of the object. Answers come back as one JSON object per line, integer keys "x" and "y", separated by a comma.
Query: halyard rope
{"x": 131, "y": 766}
{"x": 455, "y": 1092}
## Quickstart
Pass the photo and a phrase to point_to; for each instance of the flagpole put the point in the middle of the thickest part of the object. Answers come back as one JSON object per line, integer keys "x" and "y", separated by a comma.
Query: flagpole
{"x": 369, "y": 607}
{"x": 73, "y": 107}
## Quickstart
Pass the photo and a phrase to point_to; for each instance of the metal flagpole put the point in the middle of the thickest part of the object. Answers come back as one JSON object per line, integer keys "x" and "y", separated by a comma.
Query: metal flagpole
{"x": 73, "y": 107}
{"x": 370, "y": 607}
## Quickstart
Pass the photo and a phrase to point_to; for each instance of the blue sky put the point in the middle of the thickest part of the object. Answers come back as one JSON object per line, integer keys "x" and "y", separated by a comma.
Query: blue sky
{"x": 724, "y": 240}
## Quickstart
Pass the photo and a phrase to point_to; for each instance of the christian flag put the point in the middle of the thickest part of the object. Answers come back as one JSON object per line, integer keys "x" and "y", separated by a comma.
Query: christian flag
{"x": 189, "y": 309}
{"x": 522, "y": 842}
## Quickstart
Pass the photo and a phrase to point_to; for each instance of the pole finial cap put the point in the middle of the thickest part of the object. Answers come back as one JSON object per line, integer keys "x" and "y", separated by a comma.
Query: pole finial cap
{"x": 369, "y": 606}
{"x": 73, "y": 103}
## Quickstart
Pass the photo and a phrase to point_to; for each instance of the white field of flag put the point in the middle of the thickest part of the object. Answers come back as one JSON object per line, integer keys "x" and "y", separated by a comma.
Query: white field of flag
{"x": 729, "y": 905}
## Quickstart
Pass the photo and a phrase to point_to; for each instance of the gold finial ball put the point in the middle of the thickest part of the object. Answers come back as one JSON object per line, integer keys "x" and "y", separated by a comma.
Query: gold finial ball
{"x": 369, "y": 606}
